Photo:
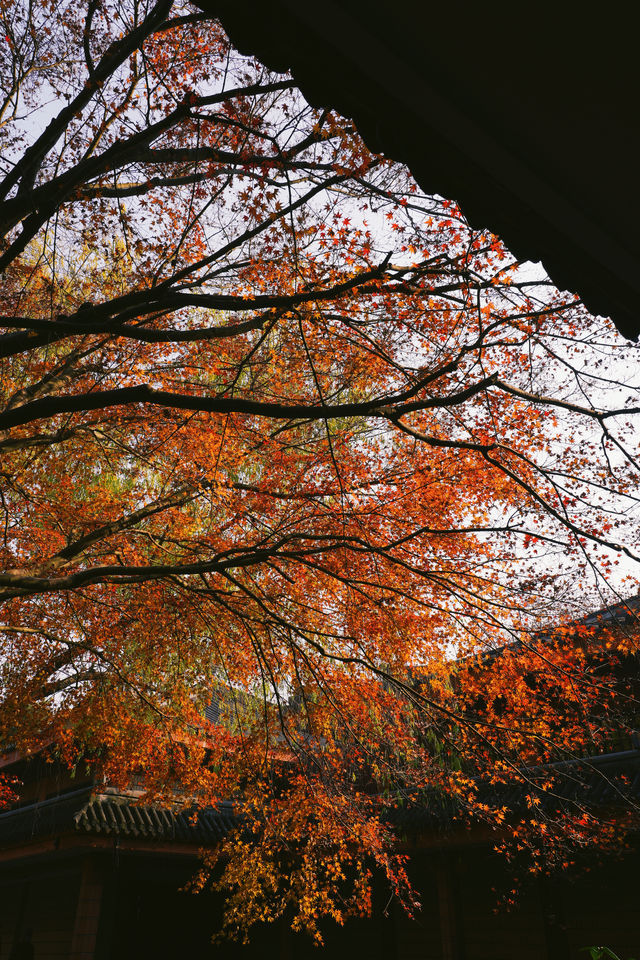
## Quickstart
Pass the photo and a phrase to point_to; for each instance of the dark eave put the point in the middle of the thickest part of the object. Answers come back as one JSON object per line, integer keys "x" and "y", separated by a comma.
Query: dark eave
{"x": 527, "y": 118}
{"x": 111, "y": 815}
{"x": 594, "y": 785}
{"x": 610, "y": 781}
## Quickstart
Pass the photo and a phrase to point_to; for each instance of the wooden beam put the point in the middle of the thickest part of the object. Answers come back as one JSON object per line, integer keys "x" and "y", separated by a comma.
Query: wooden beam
{"x": 449, "y": 911}
{"x": 88, "y": 911}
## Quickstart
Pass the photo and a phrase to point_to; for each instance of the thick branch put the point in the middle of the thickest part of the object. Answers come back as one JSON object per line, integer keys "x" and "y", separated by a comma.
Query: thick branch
{"x": 26, "y": 169}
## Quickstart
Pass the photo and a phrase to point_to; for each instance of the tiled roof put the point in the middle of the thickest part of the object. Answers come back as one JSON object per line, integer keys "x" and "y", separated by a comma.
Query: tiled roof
{"x": 109, "y": 814}
{"x": 627, "y": 612}
{"x": 119, "y": 816}
{"x": 591, "y": 784}
{"x": 624, "y": 616}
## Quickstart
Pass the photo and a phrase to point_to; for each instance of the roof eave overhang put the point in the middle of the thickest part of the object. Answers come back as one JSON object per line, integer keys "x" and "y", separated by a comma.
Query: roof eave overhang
{"x": 414, "y": 115}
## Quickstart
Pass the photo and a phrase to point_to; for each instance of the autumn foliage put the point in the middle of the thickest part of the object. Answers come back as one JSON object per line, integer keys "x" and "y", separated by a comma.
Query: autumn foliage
{"x": 278, "y": 427}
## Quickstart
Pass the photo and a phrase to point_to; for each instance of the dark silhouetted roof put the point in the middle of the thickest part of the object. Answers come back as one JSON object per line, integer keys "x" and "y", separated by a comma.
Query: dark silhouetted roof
{"x": 590, "y": 784}
{"x": 118, "y": 816}
{"x": 526, "y": 116}
{"x": 115, "y": 816}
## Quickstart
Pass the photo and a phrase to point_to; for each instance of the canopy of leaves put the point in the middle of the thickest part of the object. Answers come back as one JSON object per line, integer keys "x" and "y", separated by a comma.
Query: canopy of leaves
{"x": 275, "y": 424}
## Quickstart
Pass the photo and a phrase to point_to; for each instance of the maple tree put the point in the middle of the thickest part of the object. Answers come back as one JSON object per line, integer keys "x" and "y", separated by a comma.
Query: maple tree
{"x": 277, "y": 425}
